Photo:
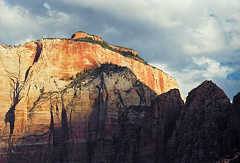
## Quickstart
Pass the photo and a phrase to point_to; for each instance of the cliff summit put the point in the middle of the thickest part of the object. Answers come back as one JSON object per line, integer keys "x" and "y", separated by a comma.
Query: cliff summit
{"x": 85, "y": 100}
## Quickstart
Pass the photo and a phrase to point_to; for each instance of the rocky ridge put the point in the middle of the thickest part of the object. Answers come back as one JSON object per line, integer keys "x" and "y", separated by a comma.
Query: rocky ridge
{"x": 81, "y": 36}
{"x": 49, "y": 65}
{"x": 201, "y": 132}
{"x": 107, "y": 106}
{"x": 43, "y": 89}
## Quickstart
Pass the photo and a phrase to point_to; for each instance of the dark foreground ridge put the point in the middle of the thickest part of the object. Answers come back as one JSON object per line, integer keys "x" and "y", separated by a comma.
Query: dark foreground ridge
{"x": 129, "y": 123}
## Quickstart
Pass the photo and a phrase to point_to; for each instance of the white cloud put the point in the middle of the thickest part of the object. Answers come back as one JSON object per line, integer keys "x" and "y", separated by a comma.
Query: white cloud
{"x": 14, "y": 17}
{"x": 30, "y": 38}
{"x": 194, "y": 36}
{"x": 46, "y": 5}
{"x": 190, "y": 77}
{"x": 18, "y": 24}
{"x": 200, "y": 26}
{"x": 211, "y": 68}
{"x": 206, "y": 38}
{"x": 109, "y": 31}
{"x": 152, "y": 11}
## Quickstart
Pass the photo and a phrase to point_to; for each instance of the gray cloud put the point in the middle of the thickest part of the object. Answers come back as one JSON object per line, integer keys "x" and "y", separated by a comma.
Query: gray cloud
{"x": 192, "y": 40}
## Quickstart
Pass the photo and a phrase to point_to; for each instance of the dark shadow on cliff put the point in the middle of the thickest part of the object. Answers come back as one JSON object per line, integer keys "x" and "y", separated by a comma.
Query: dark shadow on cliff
{"x": 116, "y": 130}
{"x": 123, "y": 133}
{"x": 206, "y": 129}
{"x": 129, "y": 135}
{"x": 125, "y": 123}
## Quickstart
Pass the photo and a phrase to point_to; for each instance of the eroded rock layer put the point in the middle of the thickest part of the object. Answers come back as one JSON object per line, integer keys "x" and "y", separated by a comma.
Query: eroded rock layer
{"x": 107, "y": 104}
{"x": 49, "y": 65}
{"x": 45, "y": 91}
{"x": 84, "y": 100}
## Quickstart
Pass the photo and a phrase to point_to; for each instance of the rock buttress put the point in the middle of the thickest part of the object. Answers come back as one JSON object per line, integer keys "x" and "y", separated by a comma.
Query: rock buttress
{"x": 201, "y": 132}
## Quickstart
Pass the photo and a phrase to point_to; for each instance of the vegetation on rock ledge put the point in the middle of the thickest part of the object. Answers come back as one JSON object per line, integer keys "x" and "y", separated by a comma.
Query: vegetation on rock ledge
{"x": 105, "y": 45}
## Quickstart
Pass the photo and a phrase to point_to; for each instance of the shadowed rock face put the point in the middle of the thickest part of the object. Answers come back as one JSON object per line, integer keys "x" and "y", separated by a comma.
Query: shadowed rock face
{"x": 101, "y": 109}
{"x": 201, "y": 133}
{"x": 234, "y": 131}
{"x": 64, "y": 101}
{"x": 236, "y": 101}
{"x": 166, "y": 110}
{"x": 106, "y": 114}
{"x": 32, "y": 73}
{"x": 34, "y": 76}
{"x": 206, "y": 94}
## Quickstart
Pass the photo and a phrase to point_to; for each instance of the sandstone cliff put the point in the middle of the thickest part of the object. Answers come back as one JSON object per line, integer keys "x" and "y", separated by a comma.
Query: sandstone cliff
{"x": 43, "y": 88}
{"x": 84, "y": 100}
{"x": 104, "y": 112}
{"x": 128, "y": 122}
{"x": 49, "y": 64}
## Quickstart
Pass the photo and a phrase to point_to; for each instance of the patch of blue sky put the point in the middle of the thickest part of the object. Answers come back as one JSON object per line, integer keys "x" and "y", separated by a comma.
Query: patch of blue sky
{"x": 234, "y": 76}
{"x": 231, "y": 21}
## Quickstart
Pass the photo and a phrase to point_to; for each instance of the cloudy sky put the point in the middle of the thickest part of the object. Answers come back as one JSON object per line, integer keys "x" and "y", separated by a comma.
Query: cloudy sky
{"x": 192, "y": 40}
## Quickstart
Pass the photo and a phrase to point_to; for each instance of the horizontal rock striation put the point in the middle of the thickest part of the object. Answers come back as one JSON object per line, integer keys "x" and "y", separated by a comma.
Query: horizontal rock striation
{"x": 96, "y": 39}
{"x": 48, "y": 65}
{"x": 84, "y": 100}
{"x": 53, "y": 91}
{"x": 107, "y": 104}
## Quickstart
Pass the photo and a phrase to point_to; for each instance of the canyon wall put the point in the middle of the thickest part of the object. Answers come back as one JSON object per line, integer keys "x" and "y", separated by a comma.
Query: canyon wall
{"x": 34, "y": 76}
{"x": 84, "y": 100}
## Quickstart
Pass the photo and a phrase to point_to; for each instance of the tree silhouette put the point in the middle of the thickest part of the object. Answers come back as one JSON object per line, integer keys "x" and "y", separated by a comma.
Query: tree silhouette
{"x": 17, "y": 86}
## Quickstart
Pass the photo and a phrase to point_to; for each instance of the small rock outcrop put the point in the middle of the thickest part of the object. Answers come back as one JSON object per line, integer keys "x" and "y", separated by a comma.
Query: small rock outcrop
{"x": 83, "y": 36}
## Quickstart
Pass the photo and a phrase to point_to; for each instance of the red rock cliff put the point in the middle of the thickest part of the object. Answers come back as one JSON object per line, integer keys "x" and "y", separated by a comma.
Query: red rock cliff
{"x": 64, "y": 58}
{"x": 38, "y": 69}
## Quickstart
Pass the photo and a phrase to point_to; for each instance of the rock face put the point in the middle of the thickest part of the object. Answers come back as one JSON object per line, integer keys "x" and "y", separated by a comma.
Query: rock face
{"x": 100, "y": 111}
{"x": 234, "y": 132}
{"x": 48, "y": 65}
{"x": 55, "y": 91}
{"x": 84, "y": 100}
{"x": 236, "y": 101}
{"x": 201, "y": 133}
{"x": 166, "y": 110}
{"x": 86, "y": 36}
